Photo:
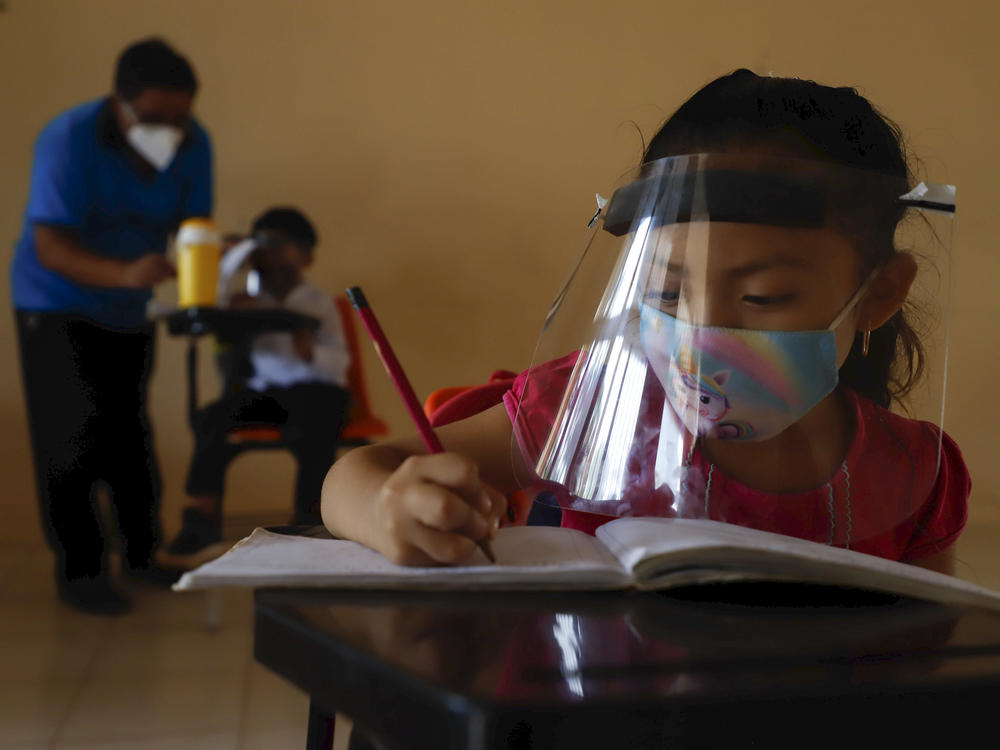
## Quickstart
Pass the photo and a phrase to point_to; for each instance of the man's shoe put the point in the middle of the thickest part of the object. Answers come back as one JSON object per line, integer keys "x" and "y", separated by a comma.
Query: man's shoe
{"x": 94, "y": 596}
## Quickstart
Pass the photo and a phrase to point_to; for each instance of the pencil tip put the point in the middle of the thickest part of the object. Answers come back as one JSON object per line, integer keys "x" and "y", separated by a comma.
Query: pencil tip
{"x": 488, "y": 551}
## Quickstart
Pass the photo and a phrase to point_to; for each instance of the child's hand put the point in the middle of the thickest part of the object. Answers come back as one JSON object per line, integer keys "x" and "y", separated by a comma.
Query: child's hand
{"x": 433, "y": 509}
{"x": 303, "y": 341}
{"x": 242, "y": 301}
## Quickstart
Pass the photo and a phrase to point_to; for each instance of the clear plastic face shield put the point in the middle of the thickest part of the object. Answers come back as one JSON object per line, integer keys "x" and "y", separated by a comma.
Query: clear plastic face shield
{"x": 254, "y": 264}
{"x": 703, "y": 358}
{"x": 238, "y": 272}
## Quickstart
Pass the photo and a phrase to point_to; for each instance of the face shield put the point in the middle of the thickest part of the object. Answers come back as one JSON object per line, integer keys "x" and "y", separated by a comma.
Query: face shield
{"x": 257, "y": 264}
{"x": 238, "y": 274}
{"x": 720, "y": 348}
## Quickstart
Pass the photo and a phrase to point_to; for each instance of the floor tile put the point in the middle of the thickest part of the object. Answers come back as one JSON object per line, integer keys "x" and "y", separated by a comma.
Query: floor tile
{"x": 162, "y": 610}
{"x": 48, "y": 617}
{"x": 272, "y": 702}
{"x": 193, "y": 653}
{"x": 292, "y": 736}
{"x": 129, "y": 709}
{"x": 48, "y": 657}
{"x": 206, "y": 741}
{"x": 32, "y": 712}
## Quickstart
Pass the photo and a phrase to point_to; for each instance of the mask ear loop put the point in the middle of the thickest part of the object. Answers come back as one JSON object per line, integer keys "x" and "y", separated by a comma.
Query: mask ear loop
{"x": 854, "y": 300}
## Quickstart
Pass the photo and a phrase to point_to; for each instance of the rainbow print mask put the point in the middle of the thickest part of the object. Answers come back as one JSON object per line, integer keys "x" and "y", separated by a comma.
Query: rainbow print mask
{"x": 738, "y": 384}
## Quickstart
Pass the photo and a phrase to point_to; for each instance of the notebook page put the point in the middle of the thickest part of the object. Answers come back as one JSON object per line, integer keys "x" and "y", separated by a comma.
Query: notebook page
{"x": 679, "y": 551}
{"x": 527, "y": 557}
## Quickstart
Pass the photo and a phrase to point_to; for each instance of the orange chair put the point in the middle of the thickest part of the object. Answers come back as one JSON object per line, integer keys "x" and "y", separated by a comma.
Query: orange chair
{"x": 457, "y": 402}
{"x": 362, "y": 424}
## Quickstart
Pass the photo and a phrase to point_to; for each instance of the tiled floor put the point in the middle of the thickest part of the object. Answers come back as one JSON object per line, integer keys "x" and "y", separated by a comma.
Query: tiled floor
{"x": 155, "y": 679}
{"x": 160, "y": 678}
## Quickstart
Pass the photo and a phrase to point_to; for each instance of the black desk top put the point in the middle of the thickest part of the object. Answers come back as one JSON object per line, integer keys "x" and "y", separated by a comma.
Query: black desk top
{"x": 698, "y": 668}
{"x": 235, "y": 329}
{"x": 228, "y": 323}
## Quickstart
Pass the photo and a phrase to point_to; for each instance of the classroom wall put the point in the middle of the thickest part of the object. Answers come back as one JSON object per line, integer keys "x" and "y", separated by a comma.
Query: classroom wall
{"x": 449, "y": 152}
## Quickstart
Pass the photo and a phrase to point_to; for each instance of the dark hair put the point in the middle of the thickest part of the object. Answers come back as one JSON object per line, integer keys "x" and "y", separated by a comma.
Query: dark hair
{"x": 152, "y": 64}
{"x": 801, "y": 118}
{"x": 291, "y": 222}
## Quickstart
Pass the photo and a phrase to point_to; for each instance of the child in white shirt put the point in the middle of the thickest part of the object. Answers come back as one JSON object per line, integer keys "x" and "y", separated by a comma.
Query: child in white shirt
{"x": 298, "y": 383}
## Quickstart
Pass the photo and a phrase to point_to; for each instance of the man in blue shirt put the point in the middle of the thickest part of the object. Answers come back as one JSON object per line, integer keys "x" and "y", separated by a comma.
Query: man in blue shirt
{"x": 111, "y": 180}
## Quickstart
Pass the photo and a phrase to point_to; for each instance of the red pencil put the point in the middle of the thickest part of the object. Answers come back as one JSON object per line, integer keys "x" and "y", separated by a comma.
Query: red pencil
{"x": 402, "y": 383}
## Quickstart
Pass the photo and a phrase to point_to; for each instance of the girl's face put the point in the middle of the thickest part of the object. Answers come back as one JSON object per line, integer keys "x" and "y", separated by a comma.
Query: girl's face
{"x": 756, "y": 277}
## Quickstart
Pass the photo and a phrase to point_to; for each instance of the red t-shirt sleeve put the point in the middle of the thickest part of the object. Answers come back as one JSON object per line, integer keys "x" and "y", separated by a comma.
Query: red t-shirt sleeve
{"x": 533, "y": 400}
{"x": 945, "y": 512}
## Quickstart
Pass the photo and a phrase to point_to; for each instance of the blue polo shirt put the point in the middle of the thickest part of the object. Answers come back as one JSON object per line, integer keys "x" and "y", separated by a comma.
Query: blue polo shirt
{"x": 86, "y": 178}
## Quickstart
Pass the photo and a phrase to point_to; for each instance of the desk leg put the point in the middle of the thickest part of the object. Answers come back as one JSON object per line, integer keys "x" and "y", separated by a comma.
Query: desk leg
{"x": 192, "y": 378}
{"x": 320, "y": 734}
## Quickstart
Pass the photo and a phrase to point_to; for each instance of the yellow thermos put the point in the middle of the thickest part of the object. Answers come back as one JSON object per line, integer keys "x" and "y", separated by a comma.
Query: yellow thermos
{"x": 199, "y": 246}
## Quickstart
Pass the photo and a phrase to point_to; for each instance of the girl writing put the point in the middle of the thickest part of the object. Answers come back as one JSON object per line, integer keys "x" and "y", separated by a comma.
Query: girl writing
{"x": 740, "y": 365}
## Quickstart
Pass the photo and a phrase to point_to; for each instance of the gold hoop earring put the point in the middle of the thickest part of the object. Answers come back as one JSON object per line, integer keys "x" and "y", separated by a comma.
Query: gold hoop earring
{"x": 866, "y": 338}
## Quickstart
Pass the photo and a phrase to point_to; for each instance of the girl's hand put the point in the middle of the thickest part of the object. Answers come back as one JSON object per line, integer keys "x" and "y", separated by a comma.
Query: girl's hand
{"x": 432, "y": 510}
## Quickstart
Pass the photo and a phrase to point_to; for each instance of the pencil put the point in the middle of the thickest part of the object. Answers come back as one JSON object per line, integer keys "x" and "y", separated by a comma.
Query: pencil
{"x": 402, "y": 383}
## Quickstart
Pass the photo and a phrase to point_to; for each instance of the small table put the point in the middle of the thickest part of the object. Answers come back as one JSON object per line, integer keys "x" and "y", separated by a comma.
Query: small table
{"x": 735, "y": 666}
{"x": 235, "y": 329}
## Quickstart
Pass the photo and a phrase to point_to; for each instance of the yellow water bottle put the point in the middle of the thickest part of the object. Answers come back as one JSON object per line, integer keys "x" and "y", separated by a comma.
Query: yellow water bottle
{"x": 199, "y": 246}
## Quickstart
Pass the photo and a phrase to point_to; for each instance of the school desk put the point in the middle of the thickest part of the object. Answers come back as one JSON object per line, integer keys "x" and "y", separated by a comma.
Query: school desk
{"x": 234, "y": 330}
{"x": 735, "y": 666}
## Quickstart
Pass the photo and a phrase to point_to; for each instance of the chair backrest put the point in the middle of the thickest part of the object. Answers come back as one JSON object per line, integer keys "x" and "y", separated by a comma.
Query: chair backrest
{"x": 362, "y": 424}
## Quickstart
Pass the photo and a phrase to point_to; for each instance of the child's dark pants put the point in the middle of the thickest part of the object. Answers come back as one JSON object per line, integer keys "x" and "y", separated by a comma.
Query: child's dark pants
{"x": 311, "y": 417}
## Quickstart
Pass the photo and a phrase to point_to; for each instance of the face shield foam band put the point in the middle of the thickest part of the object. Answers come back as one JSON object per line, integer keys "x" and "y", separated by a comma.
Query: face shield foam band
{"x": 744, "y": 197}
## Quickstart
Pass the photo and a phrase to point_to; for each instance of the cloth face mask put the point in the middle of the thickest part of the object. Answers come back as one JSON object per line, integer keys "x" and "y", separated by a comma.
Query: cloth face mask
{"x": 741, "y": 384}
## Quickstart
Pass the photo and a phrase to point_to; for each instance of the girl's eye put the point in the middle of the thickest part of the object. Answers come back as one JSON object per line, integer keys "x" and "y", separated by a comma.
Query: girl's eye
{"x": 663, "y": 297}
{"x": 766, "y": 300}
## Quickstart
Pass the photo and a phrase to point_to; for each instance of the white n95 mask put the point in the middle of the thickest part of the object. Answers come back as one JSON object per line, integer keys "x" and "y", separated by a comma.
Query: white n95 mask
{"x": 157, "y": 144}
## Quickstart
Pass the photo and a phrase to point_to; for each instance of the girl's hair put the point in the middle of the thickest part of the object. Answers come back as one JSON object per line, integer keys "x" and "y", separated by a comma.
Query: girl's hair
{"x": 801, "y": 118}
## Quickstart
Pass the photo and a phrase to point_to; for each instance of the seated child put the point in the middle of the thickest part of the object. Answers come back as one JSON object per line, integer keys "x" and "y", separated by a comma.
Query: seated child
{"x": 740, "y": 364}
{"x": 298, "y": 382}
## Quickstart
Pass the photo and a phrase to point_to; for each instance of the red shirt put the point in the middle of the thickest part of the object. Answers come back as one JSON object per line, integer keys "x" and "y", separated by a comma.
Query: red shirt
{"x": 895, "y": 496}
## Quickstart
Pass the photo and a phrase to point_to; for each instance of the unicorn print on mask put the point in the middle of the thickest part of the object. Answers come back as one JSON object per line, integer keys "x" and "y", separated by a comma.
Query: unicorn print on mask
{"x": 700, "y": 400}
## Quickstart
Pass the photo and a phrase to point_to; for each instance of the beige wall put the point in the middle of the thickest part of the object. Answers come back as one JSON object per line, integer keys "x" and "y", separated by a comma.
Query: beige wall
{"x": 449, "y": 151}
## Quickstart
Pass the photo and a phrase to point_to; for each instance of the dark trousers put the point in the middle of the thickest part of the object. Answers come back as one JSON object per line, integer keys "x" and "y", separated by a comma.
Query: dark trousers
{"x": 86, "y": 387}
{"x": 311, "y": 417}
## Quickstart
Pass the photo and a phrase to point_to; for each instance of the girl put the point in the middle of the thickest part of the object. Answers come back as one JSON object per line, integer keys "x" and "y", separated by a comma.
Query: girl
{"x": 740, "y": 364}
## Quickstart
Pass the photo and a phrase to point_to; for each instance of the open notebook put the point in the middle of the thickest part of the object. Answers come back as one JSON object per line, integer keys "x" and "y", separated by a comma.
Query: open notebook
{"x": 640, "y": 553}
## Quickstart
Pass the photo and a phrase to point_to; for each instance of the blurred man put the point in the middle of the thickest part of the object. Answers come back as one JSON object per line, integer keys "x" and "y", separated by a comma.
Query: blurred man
{"x": 110, "y": 180}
